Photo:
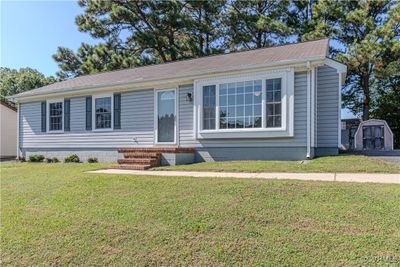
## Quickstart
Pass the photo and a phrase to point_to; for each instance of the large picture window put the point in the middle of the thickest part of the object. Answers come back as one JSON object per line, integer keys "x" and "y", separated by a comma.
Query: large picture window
{"x": 55, "y": 116}
{"x": 103, "y": 112}
{"x": 240, "y": 105}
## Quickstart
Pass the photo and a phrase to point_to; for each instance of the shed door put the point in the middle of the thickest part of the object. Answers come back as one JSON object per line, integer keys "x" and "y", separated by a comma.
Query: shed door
{"x": 373, "y": 137}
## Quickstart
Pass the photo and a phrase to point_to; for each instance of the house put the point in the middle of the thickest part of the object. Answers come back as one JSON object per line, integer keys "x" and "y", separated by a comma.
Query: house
{"x": 279, "y": 103}
{"x": 8, "y": 128}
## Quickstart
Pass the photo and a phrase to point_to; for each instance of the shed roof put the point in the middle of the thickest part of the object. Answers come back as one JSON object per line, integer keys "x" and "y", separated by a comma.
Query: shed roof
{"x": 273, "y": 55}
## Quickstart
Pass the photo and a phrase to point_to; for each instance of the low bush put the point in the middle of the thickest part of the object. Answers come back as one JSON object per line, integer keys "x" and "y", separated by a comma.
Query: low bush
{"x": 22, "y": 159}
{"x": 36, "y": 158}
{"x": 72, "y": 159}
{"x": 52, "y": 160}
{"x": 92, "y": 160}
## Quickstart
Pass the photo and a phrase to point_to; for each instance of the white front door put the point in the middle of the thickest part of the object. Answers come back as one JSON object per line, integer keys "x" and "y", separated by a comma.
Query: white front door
{"x": 166, "y": 116}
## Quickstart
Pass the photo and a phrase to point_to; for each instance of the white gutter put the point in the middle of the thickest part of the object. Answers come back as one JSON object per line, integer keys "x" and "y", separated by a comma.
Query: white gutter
{"x": 183, "y": 78}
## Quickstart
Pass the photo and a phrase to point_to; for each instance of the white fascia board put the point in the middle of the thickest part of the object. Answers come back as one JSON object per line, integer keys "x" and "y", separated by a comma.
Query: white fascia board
{"x": 172, "y": 82}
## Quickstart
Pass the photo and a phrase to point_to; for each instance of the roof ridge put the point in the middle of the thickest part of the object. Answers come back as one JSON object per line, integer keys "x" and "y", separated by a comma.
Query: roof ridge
{"x": 195, "y": 58}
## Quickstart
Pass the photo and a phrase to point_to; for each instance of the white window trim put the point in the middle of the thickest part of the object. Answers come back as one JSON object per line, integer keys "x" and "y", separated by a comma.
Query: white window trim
{"x": 60, "y": 100}
{"x": 156, "y": 142}
{"x": 286, "y": 129}
{"x": 94, "y": 97}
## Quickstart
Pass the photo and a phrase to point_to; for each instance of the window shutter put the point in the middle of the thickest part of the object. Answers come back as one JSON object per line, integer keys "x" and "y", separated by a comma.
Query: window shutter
{"x": 117, "y": 111}
{"x": 44, "y": 116}
{"x": 67, "y": 115}
{"x": 89, "y": 113}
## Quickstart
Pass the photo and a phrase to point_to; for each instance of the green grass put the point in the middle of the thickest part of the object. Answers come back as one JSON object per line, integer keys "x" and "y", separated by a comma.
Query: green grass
{"x": 341, "y": 163}
{"x": 56, "y": 214}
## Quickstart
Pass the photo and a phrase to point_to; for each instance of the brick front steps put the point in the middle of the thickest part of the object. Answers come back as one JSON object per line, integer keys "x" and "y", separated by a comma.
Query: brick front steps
{"x": 146, "y": 158}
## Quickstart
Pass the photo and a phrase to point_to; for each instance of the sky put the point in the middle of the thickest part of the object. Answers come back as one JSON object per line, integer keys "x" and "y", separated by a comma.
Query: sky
{"x": 32, "y": 30}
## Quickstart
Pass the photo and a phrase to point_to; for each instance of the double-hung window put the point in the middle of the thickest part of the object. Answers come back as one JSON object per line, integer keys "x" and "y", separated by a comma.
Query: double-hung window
{"x": 55, "y": 116}
{"x": 274, "y": 102}
{"x": 103, "y": 112}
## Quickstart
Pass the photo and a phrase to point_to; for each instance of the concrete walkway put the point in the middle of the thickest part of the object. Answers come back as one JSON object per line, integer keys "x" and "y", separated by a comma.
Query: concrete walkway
{"x": 338, "y": 177}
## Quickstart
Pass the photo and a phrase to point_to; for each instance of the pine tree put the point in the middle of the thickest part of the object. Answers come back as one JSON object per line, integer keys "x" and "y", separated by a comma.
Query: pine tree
{"x": 256, "y": 24}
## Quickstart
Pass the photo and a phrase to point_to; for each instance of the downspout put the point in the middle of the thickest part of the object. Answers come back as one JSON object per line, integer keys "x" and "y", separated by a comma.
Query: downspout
{"x": 340, "y": 112}
{"x": 308, "y": 155}
{"x": 18, "y": 114}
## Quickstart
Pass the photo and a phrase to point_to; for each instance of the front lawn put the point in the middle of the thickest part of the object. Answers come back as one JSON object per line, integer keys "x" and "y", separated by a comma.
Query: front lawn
{"x": 340, "y": 163}
{"x": 55, "y": 214}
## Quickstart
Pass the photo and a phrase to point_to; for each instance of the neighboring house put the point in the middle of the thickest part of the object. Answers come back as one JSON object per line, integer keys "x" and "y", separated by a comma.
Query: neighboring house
{"x": 8, "y": 134}
{"x": 373, "y": 135}
{"x": 273, "y": 103}
{"x": 349, "y": 128}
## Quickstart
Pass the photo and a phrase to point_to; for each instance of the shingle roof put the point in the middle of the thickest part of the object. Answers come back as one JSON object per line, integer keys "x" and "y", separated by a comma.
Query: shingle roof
{"x": 198, "y": 66}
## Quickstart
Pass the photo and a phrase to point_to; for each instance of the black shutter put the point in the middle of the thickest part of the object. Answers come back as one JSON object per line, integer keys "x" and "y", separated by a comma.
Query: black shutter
{"x": 117, "y": 111}
{"x": 67, "y": 115}
{"x": 89, "y": 113}
{"x": 44, "y": 116}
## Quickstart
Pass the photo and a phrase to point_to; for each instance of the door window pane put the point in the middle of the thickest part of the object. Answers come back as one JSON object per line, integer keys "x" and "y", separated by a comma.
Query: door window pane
{"x": 166, "y": 116}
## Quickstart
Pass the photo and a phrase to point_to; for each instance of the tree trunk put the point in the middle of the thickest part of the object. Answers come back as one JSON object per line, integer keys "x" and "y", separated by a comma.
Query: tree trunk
{"x": 366, "y": 97}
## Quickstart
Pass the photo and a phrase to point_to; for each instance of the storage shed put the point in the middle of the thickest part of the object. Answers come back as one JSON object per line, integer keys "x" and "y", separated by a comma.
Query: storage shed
{"x": 373, "y": 135}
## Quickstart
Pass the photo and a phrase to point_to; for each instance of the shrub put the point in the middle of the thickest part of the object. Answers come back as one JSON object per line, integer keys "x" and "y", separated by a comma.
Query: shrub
{"x": 92, "y": 160}
{"x": 49, "y": 160}
{"x": 36, "y": 158}
{"x": 72, "y": 159}
{"x": 55, "y": 160}
{"x": 22, "y": 159}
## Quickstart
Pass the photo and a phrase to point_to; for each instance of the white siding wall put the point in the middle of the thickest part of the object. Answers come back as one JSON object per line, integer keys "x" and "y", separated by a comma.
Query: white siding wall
{"x": 8, "y": 135}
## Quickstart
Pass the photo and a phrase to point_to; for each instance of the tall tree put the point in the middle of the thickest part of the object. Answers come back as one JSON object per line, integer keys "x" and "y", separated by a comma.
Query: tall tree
{"x": 133, "y": 33}
{"x": 14, "y": 81}
{"x": 96, "y": 58}
{"x": 205, "y": 26}
{"x": 256, "y": 24}
{"x": 386, "y": 85}
{"x": 359, "y": 30}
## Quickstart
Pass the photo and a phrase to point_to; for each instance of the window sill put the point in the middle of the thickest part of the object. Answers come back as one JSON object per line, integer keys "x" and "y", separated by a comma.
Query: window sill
{"x": 55, "y": 132}
{"x": 244, "y": 133}
{"x": 103, "y": 130}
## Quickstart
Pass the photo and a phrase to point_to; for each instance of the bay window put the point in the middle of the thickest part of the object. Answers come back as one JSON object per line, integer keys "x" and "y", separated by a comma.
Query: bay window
{"x": 236, "y": 106}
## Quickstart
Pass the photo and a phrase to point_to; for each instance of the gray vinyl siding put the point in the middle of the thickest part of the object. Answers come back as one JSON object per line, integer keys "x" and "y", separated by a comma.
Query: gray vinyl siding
{"x": 137, "y": 125}
{"x": 327, "y": 107}
{"x": 186, "y": 133}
